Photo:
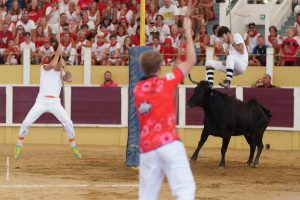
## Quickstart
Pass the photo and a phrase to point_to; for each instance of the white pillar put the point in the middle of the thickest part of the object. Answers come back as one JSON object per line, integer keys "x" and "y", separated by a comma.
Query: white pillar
{"x": 239, "y": 93}
{"x": 67, "y": 98}
{"x": 297, "y": 108}
{"x": 210, "y": 51}
{"x": 26, "y": 65}
{"x": 222, "y": 14}
{"x": 182, "y": 105}
{"x": 267, "y": 20}
{"x": 9, "y": 104}
{"x": 87, "y": 65}
{"x": 270, "y": 62}
{"x": 124, "y": 106}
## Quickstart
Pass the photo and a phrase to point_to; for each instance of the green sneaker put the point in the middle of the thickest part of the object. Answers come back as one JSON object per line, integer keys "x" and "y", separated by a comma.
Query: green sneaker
{"x": 75, "y": 151}
{"x": 18, "y": 150}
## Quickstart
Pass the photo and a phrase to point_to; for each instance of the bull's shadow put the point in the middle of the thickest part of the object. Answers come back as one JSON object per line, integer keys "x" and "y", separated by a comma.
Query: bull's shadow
{"x": 226, "y": 116}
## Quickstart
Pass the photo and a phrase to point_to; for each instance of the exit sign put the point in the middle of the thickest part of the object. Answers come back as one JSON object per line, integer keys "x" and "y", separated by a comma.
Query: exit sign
{"x": 262, "y": 16}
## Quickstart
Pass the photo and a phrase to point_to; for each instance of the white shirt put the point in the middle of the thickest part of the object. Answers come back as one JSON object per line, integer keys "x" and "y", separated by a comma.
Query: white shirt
{"x": 128, "y": 16}
{"x": 252, "y": 42}
{"x": 56, "y": 29}
{"x": 63, "y": 8}
{"x": 183, "y": 10}
{"x": 169, "y": 14}
{"x": 121, "y": 39}
{"x": 98, "y": 49}
{"x": 90, "y": 24}
{"x": 50, "y": 83}
{"x": 164, "y": 30}
{"x": 46, "y": 52}
{"x": 31, "y": 45}
{"x": 54, "y": 17}
{"x": 237, "y": 38}
{"x": 28, "y": 27}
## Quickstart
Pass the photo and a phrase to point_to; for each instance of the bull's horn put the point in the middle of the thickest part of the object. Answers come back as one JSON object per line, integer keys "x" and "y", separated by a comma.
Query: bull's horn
{"x": 190, "y": 77}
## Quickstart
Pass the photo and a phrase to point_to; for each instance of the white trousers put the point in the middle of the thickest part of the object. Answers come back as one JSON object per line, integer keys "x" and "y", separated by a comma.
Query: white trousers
{"x": 51, "y": 105}
{"x": 171, "y": 161}
{"x": 238, "y": 65}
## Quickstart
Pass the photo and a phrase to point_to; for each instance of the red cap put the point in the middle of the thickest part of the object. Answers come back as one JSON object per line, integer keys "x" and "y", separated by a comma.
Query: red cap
{"x": 168, "y": 40}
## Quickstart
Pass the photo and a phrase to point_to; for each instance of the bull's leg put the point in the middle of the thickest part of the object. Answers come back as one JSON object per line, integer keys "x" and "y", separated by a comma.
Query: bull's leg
{"x": 252, "y": 144}
{"x": 203, "y": 139}
{"x": 260, "y": 147}
{"x": 226, "y": 141}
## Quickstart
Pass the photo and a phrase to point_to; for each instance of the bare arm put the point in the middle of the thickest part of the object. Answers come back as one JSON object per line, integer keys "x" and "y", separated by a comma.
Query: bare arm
{"x": 190, "y": 49}
{"x": 54, "y": 62}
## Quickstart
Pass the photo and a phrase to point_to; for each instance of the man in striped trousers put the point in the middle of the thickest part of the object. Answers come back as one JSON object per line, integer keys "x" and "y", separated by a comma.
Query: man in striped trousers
{"x": 236, "y": 60}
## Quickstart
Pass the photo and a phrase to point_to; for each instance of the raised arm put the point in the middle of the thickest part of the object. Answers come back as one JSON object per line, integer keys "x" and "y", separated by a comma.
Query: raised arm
{"x": 190, "y": 48}
{"x": 54, "y": 62}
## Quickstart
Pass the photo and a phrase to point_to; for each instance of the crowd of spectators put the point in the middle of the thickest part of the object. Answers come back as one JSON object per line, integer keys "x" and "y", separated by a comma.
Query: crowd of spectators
{"x": 111, "y": 27}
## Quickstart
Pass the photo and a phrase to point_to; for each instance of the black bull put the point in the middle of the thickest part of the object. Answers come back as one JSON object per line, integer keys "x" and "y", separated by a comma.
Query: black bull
{"x": 226, "y": 116}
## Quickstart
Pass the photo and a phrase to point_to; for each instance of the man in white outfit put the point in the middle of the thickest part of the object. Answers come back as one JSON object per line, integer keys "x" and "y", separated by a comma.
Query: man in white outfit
{"x": 51, "y": 81}
{"x": 236, "y": 61}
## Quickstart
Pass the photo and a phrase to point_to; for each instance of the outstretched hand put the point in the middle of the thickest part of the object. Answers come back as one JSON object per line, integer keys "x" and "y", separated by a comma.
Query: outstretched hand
{"x": 187, "y": 25}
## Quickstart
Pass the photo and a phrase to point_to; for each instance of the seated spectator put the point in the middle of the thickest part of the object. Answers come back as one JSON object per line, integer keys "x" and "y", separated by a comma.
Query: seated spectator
{"x": 276, "y": 47}
{"x": 168, "y": 52}
{"x": 289, "y": 49}
{"x": 66, "y": 29}
{"x": 64, "y": 6}
{"x": 107, "y": 23}
{"x": 125, "y": 51}
{"x": 183, "y": 9}
{"x": 68, "y": 44}
{"x": 94, "y": 13}
{"x": 169, "y": 12}
{"x": 39, "y": 37}
{"x": 207, "y": 7}
{"x": 11, "y": 54}
{"x": 125, "y": 14}
{"x": 151, "y": 12}
{"x": 197, "y": 19}
{"x": 57, "y": 28}
{"x": 82, "y": 42}
{"x": 250, "y": 37}
{"x": 297, "y": 23}
{"x": 54, "y": 44}
{"x": 28, "y": 24}
{"x": 121, "y": 34}
{"x": 273, "y": 35}
{"x": 261, "y": 49}
{"x": 10, "y": 4}
{"x": 136, "y": 38}
{"x": 85, "y": 20}
{"x": 181, "y": 57}
{"x": 102, "y": 5}
{"x": 156, "y": 44}
{"x": 11, "y": 25}
{"x": 264, "y": 82}
{"x": 15, "y": 11}
{"x": 164, "y": 30}
{"x": 34, "y": 11}
{"x": 52, "y": 13}
{"x": 110, "y": 12}
{"x": 174, "y": 36}
{"x": 204, "y": 41}
{"x": 73, "y": 15}
{"x": 155, "y": 33}
{"x": 108, "y": 82}
{"x": 2, "y": 11}
{"x": 98, "y": 49}
{"x": 19, "y": 35}
{"x": 45, "y": 52}
{"x": 112, "y": 52}
{"x": 46, "y": 27}
{"x": 31, "y": 45}
{"x": 5, "y": 36}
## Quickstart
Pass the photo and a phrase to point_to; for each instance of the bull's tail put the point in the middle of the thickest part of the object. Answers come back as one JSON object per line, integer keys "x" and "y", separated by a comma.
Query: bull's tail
{"x": 253, "y": 101}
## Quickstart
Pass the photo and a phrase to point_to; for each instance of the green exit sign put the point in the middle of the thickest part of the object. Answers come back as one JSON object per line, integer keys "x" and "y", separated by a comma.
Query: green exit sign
{"x": 262, "y": 16}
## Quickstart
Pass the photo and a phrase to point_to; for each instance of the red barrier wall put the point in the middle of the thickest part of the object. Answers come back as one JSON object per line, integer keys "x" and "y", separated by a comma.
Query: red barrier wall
{"x": 96, "y": 105}
{"x": 2, "y": 104}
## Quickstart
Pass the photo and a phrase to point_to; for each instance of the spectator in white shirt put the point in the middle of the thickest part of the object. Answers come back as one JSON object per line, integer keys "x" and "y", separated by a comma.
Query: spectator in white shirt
{"x": 250, "y": 37}
{"x": 58, "y": 27}
{"x": 64, "y": 6}
{"x": 163, "y": 29}
{"x": 31, "y": 45}
{"x": 45, "y": 52}
{"x": 28, "y": 24}
{"x": 169, "y": 12}
{"x": 52, "y": 13}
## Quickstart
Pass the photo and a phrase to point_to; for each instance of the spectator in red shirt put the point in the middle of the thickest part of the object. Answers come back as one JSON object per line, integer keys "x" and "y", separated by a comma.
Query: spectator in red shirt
{"x": 162, "y": 152}
{"x": 5, "y": 36}
{"x": 39, "y": 36}
{"x": 102, "y": 5}
{"x": 136, "y": 38}
{"x": 34, "y": 11}
{"x": 11, "y": 53}
{"x": 168, "y": 51}
{"x": 108, "y": 82}
{"x": 84, "y": 4}
{"x": 289, "y": 48}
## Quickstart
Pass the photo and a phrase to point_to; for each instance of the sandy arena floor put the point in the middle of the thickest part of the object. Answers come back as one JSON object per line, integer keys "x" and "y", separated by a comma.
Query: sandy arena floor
{"x": 50, "y": 172}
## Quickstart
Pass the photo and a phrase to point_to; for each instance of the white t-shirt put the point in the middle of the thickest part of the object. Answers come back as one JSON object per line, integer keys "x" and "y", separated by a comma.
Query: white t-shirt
{"x": 63, "y": 8}
{"x": 97, "y": 50}
{"x": 164, "y": 30}
{"x": 121, "y": 39}
{"x": 54, "y": 17}
{"x": 169, "y": 14}
{"x": 128, "y": 16}
{"x": 50, "y": 83}
{"x": 57, "y": 28}
{"x": 112, "y": 49}
{"x": 183, "y": 10}
{"x": 90, "y": 24}
{"x": 232, "y": 51}
{"x": 46, "y": 52}
{"x": 28, "y": 27}
{"x": 252, "y": 42}
{"x": 31, "y": 45}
